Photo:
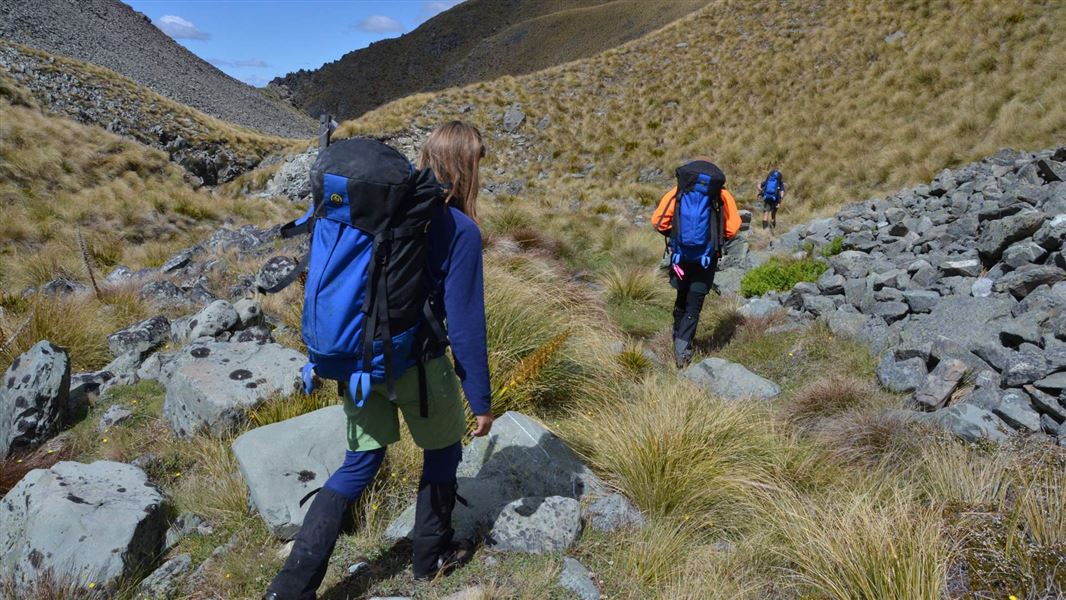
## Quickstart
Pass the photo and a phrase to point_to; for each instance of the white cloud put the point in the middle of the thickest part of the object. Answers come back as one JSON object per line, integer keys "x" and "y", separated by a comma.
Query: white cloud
{"x": 256, "y": 80}
{"x": 380, "y": 24}
{"x": 180, "y": 29}
{"x": 253, "y": 63}
{"x": 432, "y": 8}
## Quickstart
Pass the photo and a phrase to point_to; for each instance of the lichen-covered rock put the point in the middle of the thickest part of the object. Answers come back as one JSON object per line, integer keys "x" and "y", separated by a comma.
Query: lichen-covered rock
{"x": 519, "y": 459}
{"x": 212, "y": 385}
{"x": 536, "y": 525}
{"x": 83, "y": 523}
{"x": 34, "y": 395}
{"x": 139, "y": 338}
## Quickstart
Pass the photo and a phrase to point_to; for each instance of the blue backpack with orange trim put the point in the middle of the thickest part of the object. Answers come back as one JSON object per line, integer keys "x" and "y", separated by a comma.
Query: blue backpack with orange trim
{"x": 698, "y": 226}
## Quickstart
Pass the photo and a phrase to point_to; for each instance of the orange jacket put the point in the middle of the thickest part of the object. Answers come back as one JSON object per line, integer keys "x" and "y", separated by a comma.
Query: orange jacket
{"x": 664, "y": 213}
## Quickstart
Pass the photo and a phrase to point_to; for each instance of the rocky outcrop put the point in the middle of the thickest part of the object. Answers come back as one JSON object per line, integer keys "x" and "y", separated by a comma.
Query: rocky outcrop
{"x": 80, "y": 524}
{"x": 283, "y": 462}
{"x": 110, "y": 34}
{"x": 212, "y": 385}
{"x": 961, "y": 280}
{"x": 34, "y": 396}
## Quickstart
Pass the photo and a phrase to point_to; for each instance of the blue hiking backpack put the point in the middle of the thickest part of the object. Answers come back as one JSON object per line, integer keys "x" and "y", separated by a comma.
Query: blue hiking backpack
{"x": 771, "y": 188}
{"x": 698, "y": 226}
{"x": 370, "y": 307}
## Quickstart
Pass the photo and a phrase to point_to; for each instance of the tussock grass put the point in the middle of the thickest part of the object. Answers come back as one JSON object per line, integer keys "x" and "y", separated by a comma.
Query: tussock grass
{"x": 864, "y": 547}
{"x": 830, "y": 396}
{"x": 276, "y": 410}
{"x": 634, "y": 285}
{"x": 683, "y": 455}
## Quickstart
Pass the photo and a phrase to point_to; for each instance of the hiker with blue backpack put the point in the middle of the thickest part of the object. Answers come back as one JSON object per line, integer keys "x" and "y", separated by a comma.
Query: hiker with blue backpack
{"x": 771, "y": 191}
{"x": 698, "y": 216}
{"x": 395, "y": 254}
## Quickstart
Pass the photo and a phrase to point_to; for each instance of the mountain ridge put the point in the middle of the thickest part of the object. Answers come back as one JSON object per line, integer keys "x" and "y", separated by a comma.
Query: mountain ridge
{"x": 477, "y": 40}
{"x": 111, "y": 34}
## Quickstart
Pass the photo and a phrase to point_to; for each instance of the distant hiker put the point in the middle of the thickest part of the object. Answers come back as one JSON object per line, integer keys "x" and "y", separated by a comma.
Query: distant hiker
{"x": 771, "y": 191}
{"x": 375, "y": 306}
{"x": 698, "y": 216}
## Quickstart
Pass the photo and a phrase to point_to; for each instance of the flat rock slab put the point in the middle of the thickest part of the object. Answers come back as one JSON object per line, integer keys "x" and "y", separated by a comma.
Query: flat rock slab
{"x": 964, "y": 319}
{"x": 212, "y": 385}
{"x": 940, "y": 384}
{"x": 576, "y": 578}
{"x": 730, "y": 381}
{"x": 537, "y": 525}
{"x": 283, "y": 462}
{"x": 33, "y": 396}
{"x": 520, "y": 459}
{"x": 91, "y": 523}
{"x": 969, "y": 423}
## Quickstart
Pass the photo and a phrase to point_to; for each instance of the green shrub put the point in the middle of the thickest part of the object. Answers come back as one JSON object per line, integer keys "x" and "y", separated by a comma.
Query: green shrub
{"x": 779, "y": 274}
{"x": 833, "y": 248}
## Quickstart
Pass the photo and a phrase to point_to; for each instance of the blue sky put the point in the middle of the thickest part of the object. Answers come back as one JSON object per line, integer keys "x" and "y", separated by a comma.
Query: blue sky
{"x": 257, "y": 40}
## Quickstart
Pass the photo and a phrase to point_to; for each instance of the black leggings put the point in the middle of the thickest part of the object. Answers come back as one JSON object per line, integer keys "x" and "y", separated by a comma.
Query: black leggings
{"x": 692, "y": 289}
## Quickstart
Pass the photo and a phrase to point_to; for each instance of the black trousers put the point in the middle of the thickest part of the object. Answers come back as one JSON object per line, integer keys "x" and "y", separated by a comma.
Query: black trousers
{"x": 692, "y": 290}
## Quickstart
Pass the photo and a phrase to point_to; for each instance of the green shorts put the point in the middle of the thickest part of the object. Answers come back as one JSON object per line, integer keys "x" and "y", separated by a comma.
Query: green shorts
{"x": 377, "y": 423}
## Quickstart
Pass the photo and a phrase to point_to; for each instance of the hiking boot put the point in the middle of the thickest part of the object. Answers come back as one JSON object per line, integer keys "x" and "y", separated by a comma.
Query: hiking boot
{"x": 431, "y": 540}
{"x": 682, "y": 353}
{"x": 306, "y": 565}
{"x": 457, "y": 555}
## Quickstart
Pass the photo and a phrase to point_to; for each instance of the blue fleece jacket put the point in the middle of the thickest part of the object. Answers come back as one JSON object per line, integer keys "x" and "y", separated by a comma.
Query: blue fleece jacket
{"x": 455, "y": 260}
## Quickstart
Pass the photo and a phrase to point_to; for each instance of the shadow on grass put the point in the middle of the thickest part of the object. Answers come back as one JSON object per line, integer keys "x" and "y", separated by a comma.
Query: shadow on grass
{"x": 390, "y": 564}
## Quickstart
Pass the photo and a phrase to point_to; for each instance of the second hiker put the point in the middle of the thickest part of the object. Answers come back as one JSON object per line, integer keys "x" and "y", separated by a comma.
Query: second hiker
{"x": 771, "y": 192}
{"x": 698, "y": 216}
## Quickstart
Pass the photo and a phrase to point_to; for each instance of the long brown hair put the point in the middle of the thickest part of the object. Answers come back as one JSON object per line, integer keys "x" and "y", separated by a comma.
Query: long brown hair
{"x": 454, "y": 151}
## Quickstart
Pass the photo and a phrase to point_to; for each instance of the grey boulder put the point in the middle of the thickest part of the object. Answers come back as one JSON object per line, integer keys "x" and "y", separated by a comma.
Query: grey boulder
{"x": 536, "y": 525}
{"x": 84, "y": 523}
{"x": 212, "y": 385}
{"x": 730, "y": 381}
{"x": 940, "y": 384}
{"x": 139, "y": 338}
{"x": 901, "y": 376}
{"x": 215, "y": 318}
{"x": 33, "y": 397}
{"x": 612, "y": 512}
{"x": 283, "y": 462}
{"x": 970, "y": 423}
{"x": 519, "y": 459}
{"x": 576, "y": 578}
{"x": 1017, "y": 412}
{"x": 164, "y": 582}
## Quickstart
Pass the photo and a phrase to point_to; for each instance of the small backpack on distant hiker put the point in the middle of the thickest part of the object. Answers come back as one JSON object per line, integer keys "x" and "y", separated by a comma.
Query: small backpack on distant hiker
{"x": 695, "y": 221}
{"x": 367, "y": 291}
{"x": 772, "y": 188}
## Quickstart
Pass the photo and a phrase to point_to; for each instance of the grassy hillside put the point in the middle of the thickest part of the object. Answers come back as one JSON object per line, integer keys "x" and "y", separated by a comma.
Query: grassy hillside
{"x": 811, "y": 88}
{"x": 62, "y": 182}
{"x": 475, "y": 41}
{"x": 95, "y": 95}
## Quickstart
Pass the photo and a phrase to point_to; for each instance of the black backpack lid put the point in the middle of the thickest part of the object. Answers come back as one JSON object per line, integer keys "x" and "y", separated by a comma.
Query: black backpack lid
{"x": 688, "y": 174}
{"x": 386, "y": 190}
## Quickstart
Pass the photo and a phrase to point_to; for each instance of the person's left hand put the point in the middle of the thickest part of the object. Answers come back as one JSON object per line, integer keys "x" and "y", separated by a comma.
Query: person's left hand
{"x": 484, "y": 425}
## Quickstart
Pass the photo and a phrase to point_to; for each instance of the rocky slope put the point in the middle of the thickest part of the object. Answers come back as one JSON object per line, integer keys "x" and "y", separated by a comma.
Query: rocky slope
{"x": 477, "y": 40}
{"x": 960, "y": 287}
{"x": 111, "y": 34}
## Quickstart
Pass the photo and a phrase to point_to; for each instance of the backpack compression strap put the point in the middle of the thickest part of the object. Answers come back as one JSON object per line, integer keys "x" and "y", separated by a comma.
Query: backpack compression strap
{"x": 305, "y": 224}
